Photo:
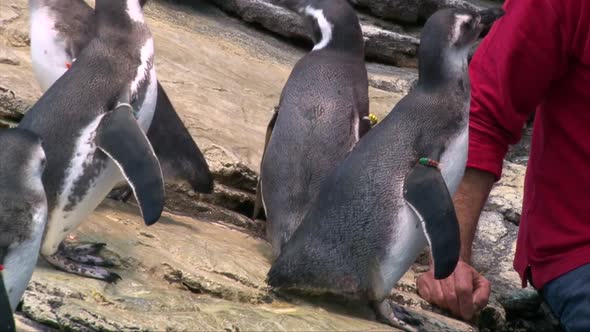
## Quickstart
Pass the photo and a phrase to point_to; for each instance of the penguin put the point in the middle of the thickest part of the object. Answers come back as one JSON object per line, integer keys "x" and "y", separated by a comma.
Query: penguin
{"x": 391, "y": 195}
{"x": 59, "y": 31}
{"x": 23, "y": 215}
{"x": 322, "y": 113}
{"x": 92, "y": 121}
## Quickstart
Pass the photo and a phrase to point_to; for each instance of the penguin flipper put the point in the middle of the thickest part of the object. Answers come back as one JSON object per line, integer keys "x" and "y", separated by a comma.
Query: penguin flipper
{"x": 269, "y": 129}
{"x": 120, "y": 137}
{"x": 6, "y": 314}
{"x": 180, "y": 157}
{"x": 427, "y": 194}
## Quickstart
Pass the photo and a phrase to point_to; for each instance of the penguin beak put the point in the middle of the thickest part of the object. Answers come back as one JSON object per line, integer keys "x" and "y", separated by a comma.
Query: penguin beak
{"x": 489, "y": 16}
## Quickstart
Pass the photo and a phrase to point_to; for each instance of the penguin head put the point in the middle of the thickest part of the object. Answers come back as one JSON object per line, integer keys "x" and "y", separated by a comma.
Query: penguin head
{"x": 446, "y": 39}
{"x": 332, "y": 23}
{"x": 21, "y": 157}
{"x": 119, "y": 12}
{"x": 457, "y": 28}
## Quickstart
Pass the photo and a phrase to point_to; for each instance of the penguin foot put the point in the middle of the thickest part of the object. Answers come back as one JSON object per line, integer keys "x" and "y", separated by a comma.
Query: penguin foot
{"x": 121, "y": 194}
{"x": 91, "y": 260}
{"x": 82, "y": 249}
{"x": 85, "y": 253}
{"x": 395, "y": 315}
{"x": 66, "y": 264}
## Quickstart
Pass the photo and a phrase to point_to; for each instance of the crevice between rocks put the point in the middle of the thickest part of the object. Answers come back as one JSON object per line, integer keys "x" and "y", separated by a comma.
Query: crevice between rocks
{"x": 202, "y": 285}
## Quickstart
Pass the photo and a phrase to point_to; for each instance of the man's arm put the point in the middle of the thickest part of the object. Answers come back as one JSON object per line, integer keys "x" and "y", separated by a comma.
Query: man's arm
{"x": 465, "y": 291}
{"x": 469, "y": 200}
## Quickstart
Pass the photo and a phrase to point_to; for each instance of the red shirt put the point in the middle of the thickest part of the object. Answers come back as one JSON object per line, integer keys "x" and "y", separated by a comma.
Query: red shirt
{"x": 537, "y": 57}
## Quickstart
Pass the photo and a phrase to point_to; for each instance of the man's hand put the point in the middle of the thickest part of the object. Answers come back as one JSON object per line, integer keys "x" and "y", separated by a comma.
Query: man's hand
{"x": 464, "y": 292}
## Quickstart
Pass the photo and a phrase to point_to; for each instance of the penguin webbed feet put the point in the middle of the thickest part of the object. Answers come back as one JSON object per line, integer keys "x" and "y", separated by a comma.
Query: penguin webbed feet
{"x": 393, "y": 314}
{"x": 83, "y": 260}
{"x": 121, "y": 194}
{"x": 86, "y": 254}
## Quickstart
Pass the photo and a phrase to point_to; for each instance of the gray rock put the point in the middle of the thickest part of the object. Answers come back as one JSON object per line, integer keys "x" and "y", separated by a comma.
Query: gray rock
{"x": 393, "y": 79}
{"x": 506, "y": 198}
{"x": 519, "y": 153}
{"x": 390, "y": 47}
{"x": 410, "y": 11}
{"x": 385, "y": 42}
{"x": 186, "y": 274}
{"x": 511, "y": 307}
{"x": 12, "y": 108}
{"x": 381, "y": 45}
{"x": 492, "y": 317}
{"x": 8, "y": 57}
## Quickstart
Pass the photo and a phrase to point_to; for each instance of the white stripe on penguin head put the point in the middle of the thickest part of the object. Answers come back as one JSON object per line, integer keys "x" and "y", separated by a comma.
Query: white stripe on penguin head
{"x": 459, "y": 20}
{"x": 134, "y": 11}
{"x": 325, "y": 26}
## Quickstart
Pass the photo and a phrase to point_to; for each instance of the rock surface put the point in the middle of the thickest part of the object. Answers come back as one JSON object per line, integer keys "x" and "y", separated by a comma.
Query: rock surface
{"x": 394, "y": 42}
{"x": 203, "y": 266}
{"x": 381, "y": 44}
{"x": 222, "y": 76}
{"x": 410, "y": 11}
{"x": 209, "y": 277}
{"x": 511, "y": 307}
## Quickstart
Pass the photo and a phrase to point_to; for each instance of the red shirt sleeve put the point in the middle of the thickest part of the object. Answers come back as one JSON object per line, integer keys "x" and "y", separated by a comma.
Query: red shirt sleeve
{"x": 510, "y": 73}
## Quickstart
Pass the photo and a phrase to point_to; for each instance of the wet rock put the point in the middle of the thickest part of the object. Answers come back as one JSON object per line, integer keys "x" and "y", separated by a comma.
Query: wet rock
{"x": 24, "y": 324}
{"x": 186, "y": 275}
{"x": 208, "y": 276}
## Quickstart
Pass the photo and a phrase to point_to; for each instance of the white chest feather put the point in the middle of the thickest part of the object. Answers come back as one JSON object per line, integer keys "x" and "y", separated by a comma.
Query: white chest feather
{"x": 147, "y": 109}
{"x": 407, "y": 240}
{"x": 48, "y": 53}
{"x": 454, "y": 159}
{"x": 21, "y": 260}
{"x": 326, "y": 28}
{"x": 62, "y": 219}
{"x": 146, "y": 71}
